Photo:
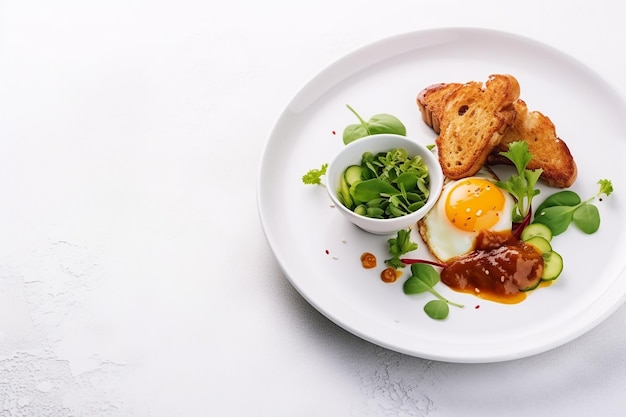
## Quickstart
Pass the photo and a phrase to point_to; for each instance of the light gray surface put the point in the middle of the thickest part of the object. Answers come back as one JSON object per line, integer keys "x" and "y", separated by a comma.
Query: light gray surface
{"x": 135, "y": 279}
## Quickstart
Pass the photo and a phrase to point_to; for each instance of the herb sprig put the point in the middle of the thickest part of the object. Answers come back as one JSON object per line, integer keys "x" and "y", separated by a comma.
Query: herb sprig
{"x": 398, "y": 246}
{"x": 522, "y": 185}
{"x": 314, "y": 176}
{"x": 561, "y": 209}
{"x": 423, "y": 279}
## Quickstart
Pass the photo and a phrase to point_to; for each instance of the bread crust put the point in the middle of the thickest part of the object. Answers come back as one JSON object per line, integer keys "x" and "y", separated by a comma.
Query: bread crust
{"x": 550, "y": 152}
{"x": 432, "y": 102}
{"x": 472, "y": 123}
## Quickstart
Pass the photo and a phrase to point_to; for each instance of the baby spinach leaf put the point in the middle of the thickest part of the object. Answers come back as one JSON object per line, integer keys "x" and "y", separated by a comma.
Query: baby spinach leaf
{"x": 354, "y": 132}
{"x": 408, "y": 180}
{"x": 557, "y": 218}
{"x": 379, "y": 123}
{"x": 561, "y": 198}
{"x": 385, "y": 123}
{"x": 367, "y": 190}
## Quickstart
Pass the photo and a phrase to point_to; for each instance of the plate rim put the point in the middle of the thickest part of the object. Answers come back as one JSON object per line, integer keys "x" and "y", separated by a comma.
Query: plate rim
{"x": 598, "y": 318}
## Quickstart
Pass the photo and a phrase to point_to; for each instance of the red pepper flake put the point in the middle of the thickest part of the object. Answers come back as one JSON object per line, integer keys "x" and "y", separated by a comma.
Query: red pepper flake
{"x": 477, "y": 306}
{"x": 327, "y": 251}
{"x": 334, "y": 133}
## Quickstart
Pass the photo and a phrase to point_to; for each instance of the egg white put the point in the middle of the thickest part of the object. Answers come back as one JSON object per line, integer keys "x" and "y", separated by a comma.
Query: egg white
{"x": 446, "y": 241}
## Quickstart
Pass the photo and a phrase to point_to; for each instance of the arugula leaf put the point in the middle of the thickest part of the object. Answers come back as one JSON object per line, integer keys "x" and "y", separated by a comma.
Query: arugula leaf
{"x": 522, "y": 185}
{"x": 314, "y": 176}
{"x": 379, "y": 123}
{"x": 561, "y": 209}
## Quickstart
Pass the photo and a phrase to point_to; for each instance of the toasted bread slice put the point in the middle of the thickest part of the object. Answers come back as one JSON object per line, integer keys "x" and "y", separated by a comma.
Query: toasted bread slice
{"x": 549, "y": 152}
{"x": 472, "y": 123}
{"x": 432, "y": 102}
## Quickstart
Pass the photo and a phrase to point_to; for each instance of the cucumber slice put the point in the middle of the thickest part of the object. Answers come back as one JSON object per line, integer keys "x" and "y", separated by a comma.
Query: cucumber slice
{"x": 552, "y": 265}
{"x": 536, "y": 229}
{"x": 352, "y": 174}
{"x": 361, "y": 210}
{"x": 344, "y": 193}
{"x": 542, "y": 245}
{"x": 531, "y": 287}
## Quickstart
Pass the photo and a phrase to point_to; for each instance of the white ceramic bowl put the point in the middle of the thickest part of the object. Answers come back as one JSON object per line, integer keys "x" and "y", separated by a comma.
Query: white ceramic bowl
{"x": 351, "y": 155}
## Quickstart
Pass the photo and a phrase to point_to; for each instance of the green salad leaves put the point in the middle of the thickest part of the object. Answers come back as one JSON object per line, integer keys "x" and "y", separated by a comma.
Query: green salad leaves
{"x": 423, "y": 279}
{"x": 314, "y": 176}
{"x": 379, "y": 123}
{"x": 565, "y": 207}
{"x": 385, "y": 185}
{"x": 391, "y": 184}
{"x": 522, "y": 185}
{"x": 398, "y": 246}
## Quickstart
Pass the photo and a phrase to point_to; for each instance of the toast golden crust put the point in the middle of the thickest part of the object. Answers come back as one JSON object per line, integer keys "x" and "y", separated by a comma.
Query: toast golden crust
{"x": 550, "y": 153}
{"x": 472, "y": 123}
{"x": 432, "y": 101}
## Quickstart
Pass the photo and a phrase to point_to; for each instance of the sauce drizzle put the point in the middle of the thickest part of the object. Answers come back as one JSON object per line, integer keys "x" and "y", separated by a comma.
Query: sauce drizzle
{"x": 498, "y": 269}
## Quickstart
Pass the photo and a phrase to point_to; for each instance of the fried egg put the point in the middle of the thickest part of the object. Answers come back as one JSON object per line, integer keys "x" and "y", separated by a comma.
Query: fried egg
{"x": 464, "y": 209}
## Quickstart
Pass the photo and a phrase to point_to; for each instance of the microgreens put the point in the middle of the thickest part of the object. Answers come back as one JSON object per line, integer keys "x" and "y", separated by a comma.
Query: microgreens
{"x": 423, "y": 279}
{"x": 522, "y": 185}
{"x": 398, "y": 246}
{"x": 379, "y": 123}
{"x": 314, "y": 176}
{"x": 565, "y": 207}
{"x": 390, "y": 184}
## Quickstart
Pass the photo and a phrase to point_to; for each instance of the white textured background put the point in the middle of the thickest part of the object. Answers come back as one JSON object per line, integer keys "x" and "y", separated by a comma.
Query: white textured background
{"x": 134, "y": 276}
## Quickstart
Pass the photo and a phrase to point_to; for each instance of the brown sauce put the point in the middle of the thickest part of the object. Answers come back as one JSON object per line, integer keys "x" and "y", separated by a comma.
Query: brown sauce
{"x": 368, "y": 260}
{"x": 498, "y": 268}
{"x": 390, "y": 275}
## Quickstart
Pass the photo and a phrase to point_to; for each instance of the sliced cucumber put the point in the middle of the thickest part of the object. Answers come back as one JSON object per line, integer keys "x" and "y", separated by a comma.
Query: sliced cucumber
{"x": 344, "y": 193}
{"x": 542, "y": 245}
{"x": 352, "y": 174}
{"x": 531, "y": 287}
{"x": 361, "y": 210}
{"x": 552, "y": 265}
{"x": 536, "y": 229}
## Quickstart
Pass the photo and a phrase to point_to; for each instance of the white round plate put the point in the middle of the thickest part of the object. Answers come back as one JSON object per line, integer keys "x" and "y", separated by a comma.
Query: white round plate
{"x": 319, "y": 250}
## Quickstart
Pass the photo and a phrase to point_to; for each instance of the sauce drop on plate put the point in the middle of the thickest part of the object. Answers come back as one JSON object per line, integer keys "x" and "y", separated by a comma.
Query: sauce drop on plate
{"x": 368, "y": 260}
{"x": 390, "y": 275}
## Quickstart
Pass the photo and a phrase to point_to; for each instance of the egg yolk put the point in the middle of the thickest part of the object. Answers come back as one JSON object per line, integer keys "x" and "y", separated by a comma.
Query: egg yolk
{"x": 474, "y": 204}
